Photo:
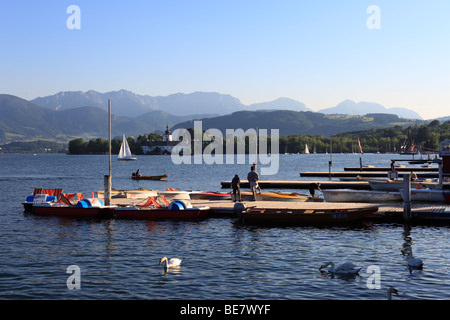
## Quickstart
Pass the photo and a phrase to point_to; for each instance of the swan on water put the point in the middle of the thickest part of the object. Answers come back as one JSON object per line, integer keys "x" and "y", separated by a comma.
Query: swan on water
{"x": 173, "y": 262}
{"x": 347, "y": 268}
{"x": 391, "y": 290}
{"x": 415, "y": 263}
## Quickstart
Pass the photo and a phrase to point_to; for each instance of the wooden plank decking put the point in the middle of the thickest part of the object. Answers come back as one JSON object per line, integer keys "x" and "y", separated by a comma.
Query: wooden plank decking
{"x": 221, "y": 207}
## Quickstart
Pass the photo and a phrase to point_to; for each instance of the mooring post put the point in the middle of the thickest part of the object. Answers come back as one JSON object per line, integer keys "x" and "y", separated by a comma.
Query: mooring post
{"x": 107, "y": 181}
{"x": 406, "y": 197}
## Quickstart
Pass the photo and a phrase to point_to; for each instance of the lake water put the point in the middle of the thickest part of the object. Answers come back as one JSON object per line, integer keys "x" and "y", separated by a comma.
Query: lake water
{"x": 221, "y": 260}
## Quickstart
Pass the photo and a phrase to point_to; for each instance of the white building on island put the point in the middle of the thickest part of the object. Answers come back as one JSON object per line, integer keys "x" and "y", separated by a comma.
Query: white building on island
{"x": 161, "y": 147}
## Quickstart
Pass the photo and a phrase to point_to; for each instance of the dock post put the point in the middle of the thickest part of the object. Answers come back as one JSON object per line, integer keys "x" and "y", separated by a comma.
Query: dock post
{"x": 107, "y": 182}
{"x": 406, "y": 197}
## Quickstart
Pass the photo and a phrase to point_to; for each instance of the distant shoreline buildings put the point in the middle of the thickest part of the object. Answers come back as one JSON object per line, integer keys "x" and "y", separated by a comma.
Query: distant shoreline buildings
{"x": 161, "y": 147}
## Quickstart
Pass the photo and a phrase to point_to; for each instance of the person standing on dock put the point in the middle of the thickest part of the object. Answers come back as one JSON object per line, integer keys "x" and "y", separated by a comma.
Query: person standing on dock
{"x": 253, "y": 178}
{"x": 312, "y": 188}
{"x": 236, "y": 185}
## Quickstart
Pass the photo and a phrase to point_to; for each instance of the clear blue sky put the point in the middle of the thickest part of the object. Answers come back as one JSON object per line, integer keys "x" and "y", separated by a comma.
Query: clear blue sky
{"x": 317, "y": 52}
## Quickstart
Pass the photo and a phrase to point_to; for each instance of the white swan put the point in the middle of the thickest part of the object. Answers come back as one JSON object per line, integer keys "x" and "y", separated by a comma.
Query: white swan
{"x": 347, "y": 268}
{"x": 391, "y": 290}
{"x": 415, "y": 263}
{"x": 172, "y": 263}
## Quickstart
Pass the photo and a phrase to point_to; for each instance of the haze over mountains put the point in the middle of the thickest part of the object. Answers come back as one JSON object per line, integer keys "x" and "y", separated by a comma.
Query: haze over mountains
{"x": 127, "y": 103}
{"x": 69, "y": 115}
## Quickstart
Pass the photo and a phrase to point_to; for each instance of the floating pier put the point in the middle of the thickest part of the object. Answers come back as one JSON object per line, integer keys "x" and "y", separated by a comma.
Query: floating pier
{"x": 387, "y": 212}
{"x": 303, "y": 184}
{"x": 363, "y": 174}
{"x": 398, "y": 169}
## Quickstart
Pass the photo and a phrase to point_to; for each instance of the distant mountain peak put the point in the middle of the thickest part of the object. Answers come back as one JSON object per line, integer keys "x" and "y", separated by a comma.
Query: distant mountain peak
{"x": 362, "y": 108}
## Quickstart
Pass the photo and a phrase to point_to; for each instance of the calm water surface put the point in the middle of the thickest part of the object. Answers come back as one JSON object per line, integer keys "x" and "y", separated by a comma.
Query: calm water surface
{"x": 222, "y": 260}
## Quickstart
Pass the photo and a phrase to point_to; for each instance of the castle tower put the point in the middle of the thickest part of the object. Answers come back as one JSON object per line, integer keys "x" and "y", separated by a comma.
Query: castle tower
{"x": 167, "y": 136}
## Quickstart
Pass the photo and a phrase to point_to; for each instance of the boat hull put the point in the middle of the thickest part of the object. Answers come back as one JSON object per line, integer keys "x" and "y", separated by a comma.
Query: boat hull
{"x": 129, "y": 194}
{"x": 73, "y": 212}
{"x": 135, "y": 213}
{"x": 347, "y": 195}
{"x": 277, "y": 196}
{"x": 175, "y": 195}
{"x": 396, "y": 185}
{"x": 429, "y": 195}
{"x": 304, "y": 216}
{"x": 161, "y": 177}
{"x": 210, "y": 196}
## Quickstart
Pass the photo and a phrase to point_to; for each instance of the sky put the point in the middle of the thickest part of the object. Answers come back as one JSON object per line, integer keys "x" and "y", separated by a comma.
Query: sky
{"x": 317, "y": 52}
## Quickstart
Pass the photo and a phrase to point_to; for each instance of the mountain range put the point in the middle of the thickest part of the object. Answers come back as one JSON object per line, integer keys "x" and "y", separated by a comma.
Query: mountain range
{"x": 70, "y": 115}
{"x": 129, "y": 104}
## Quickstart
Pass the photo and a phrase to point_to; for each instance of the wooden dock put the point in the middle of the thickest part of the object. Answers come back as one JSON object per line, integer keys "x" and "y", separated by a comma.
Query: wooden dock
{"x": 398, "y": 169}
{"x": 365, "y": 174}
{"x": 389, "y": 212}
{"x": 302, "y": 184}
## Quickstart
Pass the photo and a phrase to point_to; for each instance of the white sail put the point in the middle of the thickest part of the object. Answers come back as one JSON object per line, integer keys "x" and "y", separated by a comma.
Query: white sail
{"x": 306, "y": 149}
{"x": 125, "y": 152}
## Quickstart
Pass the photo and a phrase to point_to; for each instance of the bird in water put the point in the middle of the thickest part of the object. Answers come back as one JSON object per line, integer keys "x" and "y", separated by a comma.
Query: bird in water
{"x": 415, "y": 263}
{"x": 391, "y": 290}
{"x": 172, "y": 263}
{"x": 347, "y": 268}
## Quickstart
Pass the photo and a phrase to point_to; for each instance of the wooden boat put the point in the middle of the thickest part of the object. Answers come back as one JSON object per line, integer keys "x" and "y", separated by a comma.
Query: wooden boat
{"x": 161, "y": 177}
{"x": 86, "y": 208}
{"x": 278, "y": 196}
{"x": 155, "y": 210}
{"x": 172, "y": 194}
{"x": 129, "y": 194}
{"x": 202, "y": 195}
{"x": 262, "y": 216}
{"x": 350, "y": 195}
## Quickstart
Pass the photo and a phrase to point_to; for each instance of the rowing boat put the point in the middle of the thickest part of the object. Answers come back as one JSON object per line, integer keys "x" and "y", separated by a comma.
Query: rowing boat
{"x": 278, "y": 196}
{"x": 161, "y": 177}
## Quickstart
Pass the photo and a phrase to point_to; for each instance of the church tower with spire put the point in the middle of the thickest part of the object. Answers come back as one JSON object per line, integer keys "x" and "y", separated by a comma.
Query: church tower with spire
{"x": 167, "y": 136}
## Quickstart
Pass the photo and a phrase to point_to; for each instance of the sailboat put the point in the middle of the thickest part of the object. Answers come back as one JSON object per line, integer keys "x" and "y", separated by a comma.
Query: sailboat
{"x": 125, "y": 152}
{"x": 306, "y": 149}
